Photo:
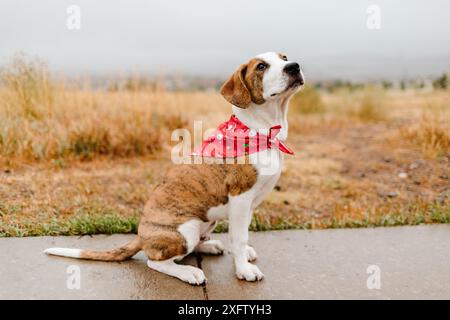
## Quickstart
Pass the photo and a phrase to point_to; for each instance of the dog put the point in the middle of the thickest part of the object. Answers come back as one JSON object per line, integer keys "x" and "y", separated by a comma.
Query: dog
{"x": 183, "y": 208}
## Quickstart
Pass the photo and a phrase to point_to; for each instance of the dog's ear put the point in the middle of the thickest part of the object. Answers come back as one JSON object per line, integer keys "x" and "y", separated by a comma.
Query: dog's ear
{"x": 235, "y": 91}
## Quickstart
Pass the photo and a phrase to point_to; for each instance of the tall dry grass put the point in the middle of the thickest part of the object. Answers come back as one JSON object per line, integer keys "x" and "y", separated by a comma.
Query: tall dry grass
{"x": 30, "y": 89}
{"x": 371, "y": 106}
{"x": 431, "y": 134}
{"x": 367, "y": 104}
{"x": 308, "y": 101}
{"x": 41, "y": 119}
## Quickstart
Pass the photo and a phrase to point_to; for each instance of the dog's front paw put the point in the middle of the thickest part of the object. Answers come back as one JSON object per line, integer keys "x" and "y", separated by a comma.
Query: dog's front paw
{"x": 210, "y": 247}
{"x": 249, "y": 272}
{"x": 192, "y": 275}
{"x": 251, "y": 254}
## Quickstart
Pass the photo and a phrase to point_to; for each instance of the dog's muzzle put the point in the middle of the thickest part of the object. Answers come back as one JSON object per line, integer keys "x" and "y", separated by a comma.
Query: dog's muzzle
{"x": 293, "y": 70}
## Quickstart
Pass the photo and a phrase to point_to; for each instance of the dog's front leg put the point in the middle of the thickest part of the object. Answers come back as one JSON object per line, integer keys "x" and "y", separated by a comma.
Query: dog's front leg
{"x": 239, "y": 217}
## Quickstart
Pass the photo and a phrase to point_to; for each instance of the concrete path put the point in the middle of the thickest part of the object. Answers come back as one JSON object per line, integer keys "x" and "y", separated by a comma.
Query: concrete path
{"x": 412, "y": 263}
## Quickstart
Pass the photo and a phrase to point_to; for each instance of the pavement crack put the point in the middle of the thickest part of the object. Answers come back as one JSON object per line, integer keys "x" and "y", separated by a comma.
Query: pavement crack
{"x": 199, "y": 259}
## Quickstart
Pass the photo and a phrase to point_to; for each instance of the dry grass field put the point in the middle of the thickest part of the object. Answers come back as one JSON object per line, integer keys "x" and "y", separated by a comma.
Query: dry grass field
{"x": 79, "y": 160}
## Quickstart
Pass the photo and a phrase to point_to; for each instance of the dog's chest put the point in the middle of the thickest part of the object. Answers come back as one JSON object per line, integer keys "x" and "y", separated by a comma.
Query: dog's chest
{"x": 268, "y": 165}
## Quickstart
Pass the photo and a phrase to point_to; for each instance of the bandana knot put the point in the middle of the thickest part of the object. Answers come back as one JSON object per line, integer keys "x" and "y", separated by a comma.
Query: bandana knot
{"x": 233, "y": 139}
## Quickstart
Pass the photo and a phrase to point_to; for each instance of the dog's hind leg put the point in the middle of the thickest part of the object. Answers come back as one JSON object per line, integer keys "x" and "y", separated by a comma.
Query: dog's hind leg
{"x": 207, "y": 245}
{"x": 165, "y": 247}
{"x": 185, "y": 273}
{"x": 210, "y": 247}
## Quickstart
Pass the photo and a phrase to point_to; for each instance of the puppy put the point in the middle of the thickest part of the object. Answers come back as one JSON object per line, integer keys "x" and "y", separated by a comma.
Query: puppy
{"x": 183, "y": 209}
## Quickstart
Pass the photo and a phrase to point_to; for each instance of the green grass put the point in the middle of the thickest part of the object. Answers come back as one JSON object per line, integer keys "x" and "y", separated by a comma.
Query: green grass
{"x": 434, "y": 213}
{"x": 81, "y": 225}
{"x": 111, "y": 223}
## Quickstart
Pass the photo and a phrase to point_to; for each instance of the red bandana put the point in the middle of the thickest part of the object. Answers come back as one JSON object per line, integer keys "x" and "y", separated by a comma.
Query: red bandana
{"x": 233, "y": 139}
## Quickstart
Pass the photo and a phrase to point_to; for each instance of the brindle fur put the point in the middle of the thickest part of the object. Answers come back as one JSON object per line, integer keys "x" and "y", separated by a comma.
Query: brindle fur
{"x": 186, "y": 193}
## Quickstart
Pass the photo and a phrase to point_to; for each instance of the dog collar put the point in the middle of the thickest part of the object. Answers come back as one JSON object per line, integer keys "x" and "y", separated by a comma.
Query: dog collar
{"x": 233, "y": 139}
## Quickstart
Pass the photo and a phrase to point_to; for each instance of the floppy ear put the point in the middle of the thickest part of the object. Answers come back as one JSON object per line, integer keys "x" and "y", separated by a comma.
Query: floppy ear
{"x": 235, "y": 91}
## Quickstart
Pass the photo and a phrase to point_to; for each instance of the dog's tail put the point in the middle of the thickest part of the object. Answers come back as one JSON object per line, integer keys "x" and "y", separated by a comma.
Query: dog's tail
{"x": 120, "y": 254}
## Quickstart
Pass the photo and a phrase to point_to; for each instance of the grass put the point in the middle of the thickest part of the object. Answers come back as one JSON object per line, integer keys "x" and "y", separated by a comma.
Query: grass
{"x": 431, "y": 135}
{"x": 371, "y": 107}
{"x": 30, "y": 87}
{"x": 307, "y": 101}
{"x": 42, "y": 120}
{"x": 75, "y": 160}
{"x": 111, "y": 223}
{"x": 79, "y": 225}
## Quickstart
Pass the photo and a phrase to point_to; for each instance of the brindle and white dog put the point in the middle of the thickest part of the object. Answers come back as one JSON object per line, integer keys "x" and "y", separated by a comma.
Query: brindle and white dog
{"x": 184, "y": 207}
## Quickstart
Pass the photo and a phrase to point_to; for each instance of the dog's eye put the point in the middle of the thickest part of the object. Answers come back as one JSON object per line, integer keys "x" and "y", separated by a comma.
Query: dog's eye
{"x": 284, "y": 58}
{"x": 261, "y": 66}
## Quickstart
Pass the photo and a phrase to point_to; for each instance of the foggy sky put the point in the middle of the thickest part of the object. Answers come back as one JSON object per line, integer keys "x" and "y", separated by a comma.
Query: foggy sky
{"x": 206, "y": 37}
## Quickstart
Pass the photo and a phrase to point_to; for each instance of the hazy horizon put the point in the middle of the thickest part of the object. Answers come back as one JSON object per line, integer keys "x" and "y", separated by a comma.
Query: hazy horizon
{"x": 203, "y": 38}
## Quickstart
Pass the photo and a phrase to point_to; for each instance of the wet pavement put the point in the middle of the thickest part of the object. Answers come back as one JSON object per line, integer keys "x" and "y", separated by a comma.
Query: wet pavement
{"x": 380, "y": 263}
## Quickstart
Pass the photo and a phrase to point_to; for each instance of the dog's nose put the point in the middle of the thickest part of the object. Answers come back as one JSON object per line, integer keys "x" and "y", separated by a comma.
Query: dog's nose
{"x": 292, "y": 68}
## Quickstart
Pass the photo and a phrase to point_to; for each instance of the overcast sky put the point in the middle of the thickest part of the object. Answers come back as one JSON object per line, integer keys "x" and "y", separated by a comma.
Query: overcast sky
{"x": 205, "y": 37}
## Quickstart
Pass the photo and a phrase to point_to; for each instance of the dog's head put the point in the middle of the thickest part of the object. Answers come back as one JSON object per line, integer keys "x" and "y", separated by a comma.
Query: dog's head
{"x": 266, "y": 77}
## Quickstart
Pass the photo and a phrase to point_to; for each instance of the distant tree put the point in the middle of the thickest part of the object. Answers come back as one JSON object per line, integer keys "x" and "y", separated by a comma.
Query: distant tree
{"x": 417, "y": 84}
{"x": 441, "y": 82}
{"x": 386, "y": 84}
{"x": 402, "y": 85}
{"x": 355, "y": 86}
{"x": 421, "y": 84}
{"x": 318, "y": 85}
{"x": 336, "y": 84}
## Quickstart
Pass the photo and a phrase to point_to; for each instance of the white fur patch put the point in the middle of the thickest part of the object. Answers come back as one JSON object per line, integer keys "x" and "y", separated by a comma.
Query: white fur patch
{"x": 190, "y": 274}
{"x": 191, "y": 232}
{"x": 210, "y": 247}
{"x": 64, "y": 252}
{"x": 218, "y": 213}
